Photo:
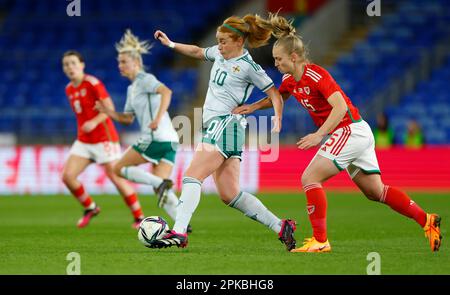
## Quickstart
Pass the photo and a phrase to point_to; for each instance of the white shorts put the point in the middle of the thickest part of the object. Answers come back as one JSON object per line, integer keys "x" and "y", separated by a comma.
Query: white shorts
{"x": 352, "y": 148}
{"x": 102, "y": 152}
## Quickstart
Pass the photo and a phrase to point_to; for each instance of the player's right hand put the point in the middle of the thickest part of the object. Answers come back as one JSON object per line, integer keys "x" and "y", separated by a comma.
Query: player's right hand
{"x": 100, "y": 107}
{"x": 162, "y": 37}
{"x": 88, "y": 126}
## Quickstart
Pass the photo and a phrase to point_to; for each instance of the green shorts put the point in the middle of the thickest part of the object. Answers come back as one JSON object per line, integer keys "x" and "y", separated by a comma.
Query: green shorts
{"x": 157, "y": 151}
{"x": 227, "y": 133}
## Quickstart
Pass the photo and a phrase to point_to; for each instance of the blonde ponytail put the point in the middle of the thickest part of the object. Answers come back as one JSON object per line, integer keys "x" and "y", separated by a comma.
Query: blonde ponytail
{"x": 131, "y": 45}
{"x": 286, "y": 36}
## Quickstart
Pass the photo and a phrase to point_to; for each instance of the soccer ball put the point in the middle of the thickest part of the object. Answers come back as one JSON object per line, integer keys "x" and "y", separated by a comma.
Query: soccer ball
{"x": 151, "y": 229}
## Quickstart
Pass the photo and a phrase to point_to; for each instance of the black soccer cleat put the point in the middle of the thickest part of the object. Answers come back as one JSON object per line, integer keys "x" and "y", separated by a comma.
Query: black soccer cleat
{"x": 171, "y": 238}
{"x": 161, "y": 191}
{"x": 286, "y": 234}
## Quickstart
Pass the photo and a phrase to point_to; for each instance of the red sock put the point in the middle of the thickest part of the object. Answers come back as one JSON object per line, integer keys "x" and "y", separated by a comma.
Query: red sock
{"x": 82, "y": 196}
{"x": 400, "y": 202}
{"x": 134, "y": 205}
{"x": 317, "y": 210}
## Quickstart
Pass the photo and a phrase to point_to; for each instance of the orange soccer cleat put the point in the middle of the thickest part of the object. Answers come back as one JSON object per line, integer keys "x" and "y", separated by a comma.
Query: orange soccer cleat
{"x": 432, "y": 231}
{"x": 312, "y": 245}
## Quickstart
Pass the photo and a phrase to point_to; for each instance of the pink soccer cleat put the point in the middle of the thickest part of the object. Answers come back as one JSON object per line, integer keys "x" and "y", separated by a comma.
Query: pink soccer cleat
{"x": 88, "y": 214}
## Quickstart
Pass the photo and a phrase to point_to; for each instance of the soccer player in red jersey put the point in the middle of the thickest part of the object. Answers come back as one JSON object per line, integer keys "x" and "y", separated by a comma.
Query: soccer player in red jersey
{"x": 350, "y": 144}
{"x": 97, "y": 139}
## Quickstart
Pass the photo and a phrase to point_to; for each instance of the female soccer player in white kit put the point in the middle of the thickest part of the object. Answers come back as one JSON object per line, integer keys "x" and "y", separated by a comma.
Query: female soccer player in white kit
{"x": 233, "y": 76}
{"x": 350, "y": 145}
{"x": 148, "y": 101}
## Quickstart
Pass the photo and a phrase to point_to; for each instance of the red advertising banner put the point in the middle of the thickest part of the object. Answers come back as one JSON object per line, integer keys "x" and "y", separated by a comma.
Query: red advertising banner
{"x": 422, "y": 169}
{"x": 37, "y": 170}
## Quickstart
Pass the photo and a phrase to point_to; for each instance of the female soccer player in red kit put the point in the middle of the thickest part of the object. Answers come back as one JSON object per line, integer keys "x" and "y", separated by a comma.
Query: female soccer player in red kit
{"x": 97, "y": 139}
{"x": 350, "y": 145}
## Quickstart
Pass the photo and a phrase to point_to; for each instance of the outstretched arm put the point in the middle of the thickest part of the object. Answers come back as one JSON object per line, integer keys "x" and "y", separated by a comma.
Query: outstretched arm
{"x": 123, "y": 118}
{"x": 186, "y": 49}
{"x": 261, "y": 104}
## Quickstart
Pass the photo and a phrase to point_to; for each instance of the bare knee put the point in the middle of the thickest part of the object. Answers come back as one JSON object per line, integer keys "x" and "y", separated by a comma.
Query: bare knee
{"x": 307, "y": 178}
{"x": 115, "y": 171}
{"x": 226, "y": 199}
{"x": 111, "y": 174}
{"x": 68, "y": 178}
{"x": 304, "y": 179}
{"x": 374, "y": 193}
{"x": 228, "y": 194}
{"x": 192, "y": 173}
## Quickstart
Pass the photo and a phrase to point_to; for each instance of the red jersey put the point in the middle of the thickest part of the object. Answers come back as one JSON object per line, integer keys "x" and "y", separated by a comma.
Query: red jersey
{"x": 82, "y": 100}
{"x": 312, "y": 91}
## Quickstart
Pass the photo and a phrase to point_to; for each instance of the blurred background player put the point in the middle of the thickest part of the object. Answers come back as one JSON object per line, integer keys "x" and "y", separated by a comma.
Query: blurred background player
{"x": 232, "y": 78}
{"x": 351, "y": 144}
{"x": 147, "y": 100}
{"x": 97, "y": 139}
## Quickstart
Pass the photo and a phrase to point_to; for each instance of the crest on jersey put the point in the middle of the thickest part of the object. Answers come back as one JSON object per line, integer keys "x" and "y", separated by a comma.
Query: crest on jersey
{"x": 83, "y": 92}
{"x": 236, "y": 69}
{"x": 307, "y": 90}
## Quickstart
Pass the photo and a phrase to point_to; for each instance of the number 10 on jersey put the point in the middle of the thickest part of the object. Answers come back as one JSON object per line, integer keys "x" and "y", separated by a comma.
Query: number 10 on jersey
{"x": 219, "y": 78}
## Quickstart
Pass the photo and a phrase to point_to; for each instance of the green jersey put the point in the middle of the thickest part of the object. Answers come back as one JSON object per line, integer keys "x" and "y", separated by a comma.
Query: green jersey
{"x": 231, "y": 82}
{"x": 143, "y": 102}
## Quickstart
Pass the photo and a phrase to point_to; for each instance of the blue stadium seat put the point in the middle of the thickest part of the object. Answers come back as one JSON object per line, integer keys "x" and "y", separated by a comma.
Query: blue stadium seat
{"x": 33, "y": 80}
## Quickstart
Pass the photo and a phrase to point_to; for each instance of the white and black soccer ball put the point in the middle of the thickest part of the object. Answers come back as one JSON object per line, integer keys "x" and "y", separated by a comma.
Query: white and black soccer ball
{"x": 151, "y": 229}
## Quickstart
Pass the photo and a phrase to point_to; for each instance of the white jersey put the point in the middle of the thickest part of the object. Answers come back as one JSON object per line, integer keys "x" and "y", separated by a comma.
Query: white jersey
{"x": 143, "y": 102}
{"x": 231, "y": 82}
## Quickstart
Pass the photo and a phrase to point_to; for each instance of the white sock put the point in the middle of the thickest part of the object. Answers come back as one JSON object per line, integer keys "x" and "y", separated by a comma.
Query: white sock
{"x": 138, "y": 175}
{"x": 171, "y": 204}
{"x": 189, "y": 200}
{"x": 253, "y": 208}
{"x": 92, "y": 206}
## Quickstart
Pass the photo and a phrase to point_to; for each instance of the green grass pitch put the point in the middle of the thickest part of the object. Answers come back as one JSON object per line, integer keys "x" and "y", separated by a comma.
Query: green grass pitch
{"x": 37, "y": 233}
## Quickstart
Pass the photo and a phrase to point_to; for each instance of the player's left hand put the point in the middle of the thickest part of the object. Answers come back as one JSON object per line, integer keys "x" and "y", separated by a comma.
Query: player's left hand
{"x": 243, "y": 109}
{"x": 276, "y": 124}
{"x": 309, "y": 141}
{"x": 154, "y": 125}
{"x": 88, "y": 126}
